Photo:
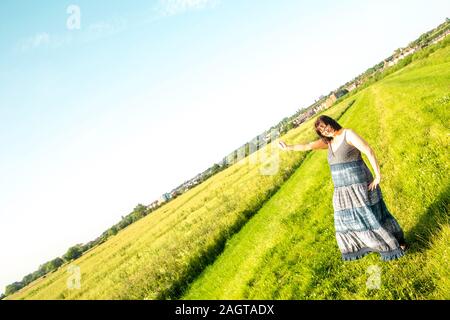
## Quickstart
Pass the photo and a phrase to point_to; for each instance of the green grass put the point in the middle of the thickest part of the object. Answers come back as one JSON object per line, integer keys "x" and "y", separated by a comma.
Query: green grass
{"x": 245, "y": 235}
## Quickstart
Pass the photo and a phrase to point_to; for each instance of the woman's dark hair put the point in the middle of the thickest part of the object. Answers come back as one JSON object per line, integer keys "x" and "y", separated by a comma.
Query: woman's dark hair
{"x": 326, "y": 120}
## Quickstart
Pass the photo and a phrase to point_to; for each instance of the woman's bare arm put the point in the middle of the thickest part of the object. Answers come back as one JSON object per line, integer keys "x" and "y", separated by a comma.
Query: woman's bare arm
{"x": 354, "y": 139}
{"x": 318, "y": 144}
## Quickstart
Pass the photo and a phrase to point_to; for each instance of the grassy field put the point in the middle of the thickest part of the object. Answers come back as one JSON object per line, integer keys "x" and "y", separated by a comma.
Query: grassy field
{"x": 246, "y": 235}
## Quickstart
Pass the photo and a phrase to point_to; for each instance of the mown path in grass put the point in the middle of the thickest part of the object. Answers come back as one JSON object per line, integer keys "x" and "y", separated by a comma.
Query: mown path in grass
{"x": 288, "y": 249}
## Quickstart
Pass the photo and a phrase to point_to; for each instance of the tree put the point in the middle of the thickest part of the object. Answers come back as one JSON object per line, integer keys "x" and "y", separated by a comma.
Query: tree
{"x": 216, "y": 167}
{"x": 112, "y": 231}
{"x": 288, "y": 126}
{"x": 124, "y": 222}
{"x": 73, "y": 253}
{"x": 37, "y": 274}
{"x": 88, "y": 245}
{"x": 44, "y": 268}
{"x": 13, "y": 287}
{"x": 56, "y": 263}
{"x": 341, "y": 93}
{"x": 28, "y": 279}
{"x": 51, "y": 265}
{"x": 139, "y": 211}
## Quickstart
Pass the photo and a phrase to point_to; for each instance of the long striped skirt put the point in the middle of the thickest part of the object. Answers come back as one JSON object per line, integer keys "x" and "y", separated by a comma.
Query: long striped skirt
{"x": 363, "y": 224}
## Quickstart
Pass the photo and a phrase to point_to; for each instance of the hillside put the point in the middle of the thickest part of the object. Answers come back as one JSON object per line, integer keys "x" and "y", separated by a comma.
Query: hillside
{"x": 246, "y": 235}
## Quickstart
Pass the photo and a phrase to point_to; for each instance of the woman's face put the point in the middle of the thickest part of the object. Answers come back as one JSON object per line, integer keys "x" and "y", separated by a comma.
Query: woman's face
{"x": 325, "y": 129}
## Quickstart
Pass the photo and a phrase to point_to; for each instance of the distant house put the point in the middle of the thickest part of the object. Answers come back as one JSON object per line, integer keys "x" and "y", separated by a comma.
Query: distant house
{"x": 319, "y": 108}
{"x": 164, "y": 197}
{"x": 300, "y": 119}
{"x": 351, "y": 87}
{"x": 398, "y": 55}
{"x": 196, "y": 179}
{"x": 304, "y": 116}
{"x": 315, "y": 108}
{"x": 406, "y": 53}
{"x": 154, "y": 204}
{"x": 310, "y": 113}
{"x": 330, "y": 100}
{"x": 389, "y": 62}
{"x": 441, "y": 37}
{"x": 323, "y": 105}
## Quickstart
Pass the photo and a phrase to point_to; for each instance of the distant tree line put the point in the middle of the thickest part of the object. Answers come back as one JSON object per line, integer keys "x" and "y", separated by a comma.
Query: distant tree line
{"x": 76, "y": 251}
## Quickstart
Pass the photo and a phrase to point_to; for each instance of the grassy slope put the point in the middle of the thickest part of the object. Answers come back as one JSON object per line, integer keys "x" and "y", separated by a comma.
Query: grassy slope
{"x": 281, "y": 245}
{"x": 288, "y": 250}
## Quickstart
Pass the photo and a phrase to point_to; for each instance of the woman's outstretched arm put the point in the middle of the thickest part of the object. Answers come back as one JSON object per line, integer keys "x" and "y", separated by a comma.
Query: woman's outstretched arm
{"x": 318, "y": 144}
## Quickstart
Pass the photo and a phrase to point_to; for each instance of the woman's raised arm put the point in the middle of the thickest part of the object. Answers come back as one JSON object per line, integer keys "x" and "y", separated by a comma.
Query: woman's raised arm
{"x": 318, "y": 144}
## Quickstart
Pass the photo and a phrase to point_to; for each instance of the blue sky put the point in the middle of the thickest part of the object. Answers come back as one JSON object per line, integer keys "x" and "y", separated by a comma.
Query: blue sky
{"x": 146, "y": 94}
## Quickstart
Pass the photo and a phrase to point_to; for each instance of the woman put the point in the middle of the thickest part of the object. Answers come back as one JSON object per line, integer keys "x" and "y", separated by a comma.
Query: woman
{"x": 362, "y": 221}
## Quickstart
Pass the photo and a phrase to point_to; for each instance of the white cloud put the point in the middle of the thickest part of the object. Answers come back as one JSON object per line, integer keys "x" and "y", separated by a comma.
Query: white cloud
{"x": 172, "y": 7}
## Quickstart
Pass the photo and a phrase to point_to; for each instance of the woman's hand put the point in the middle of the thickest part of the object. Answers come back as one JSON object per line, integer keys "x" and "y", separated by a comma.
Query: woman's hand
{"x": 374, "y": 183}
{"x": 283, "y": 146}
